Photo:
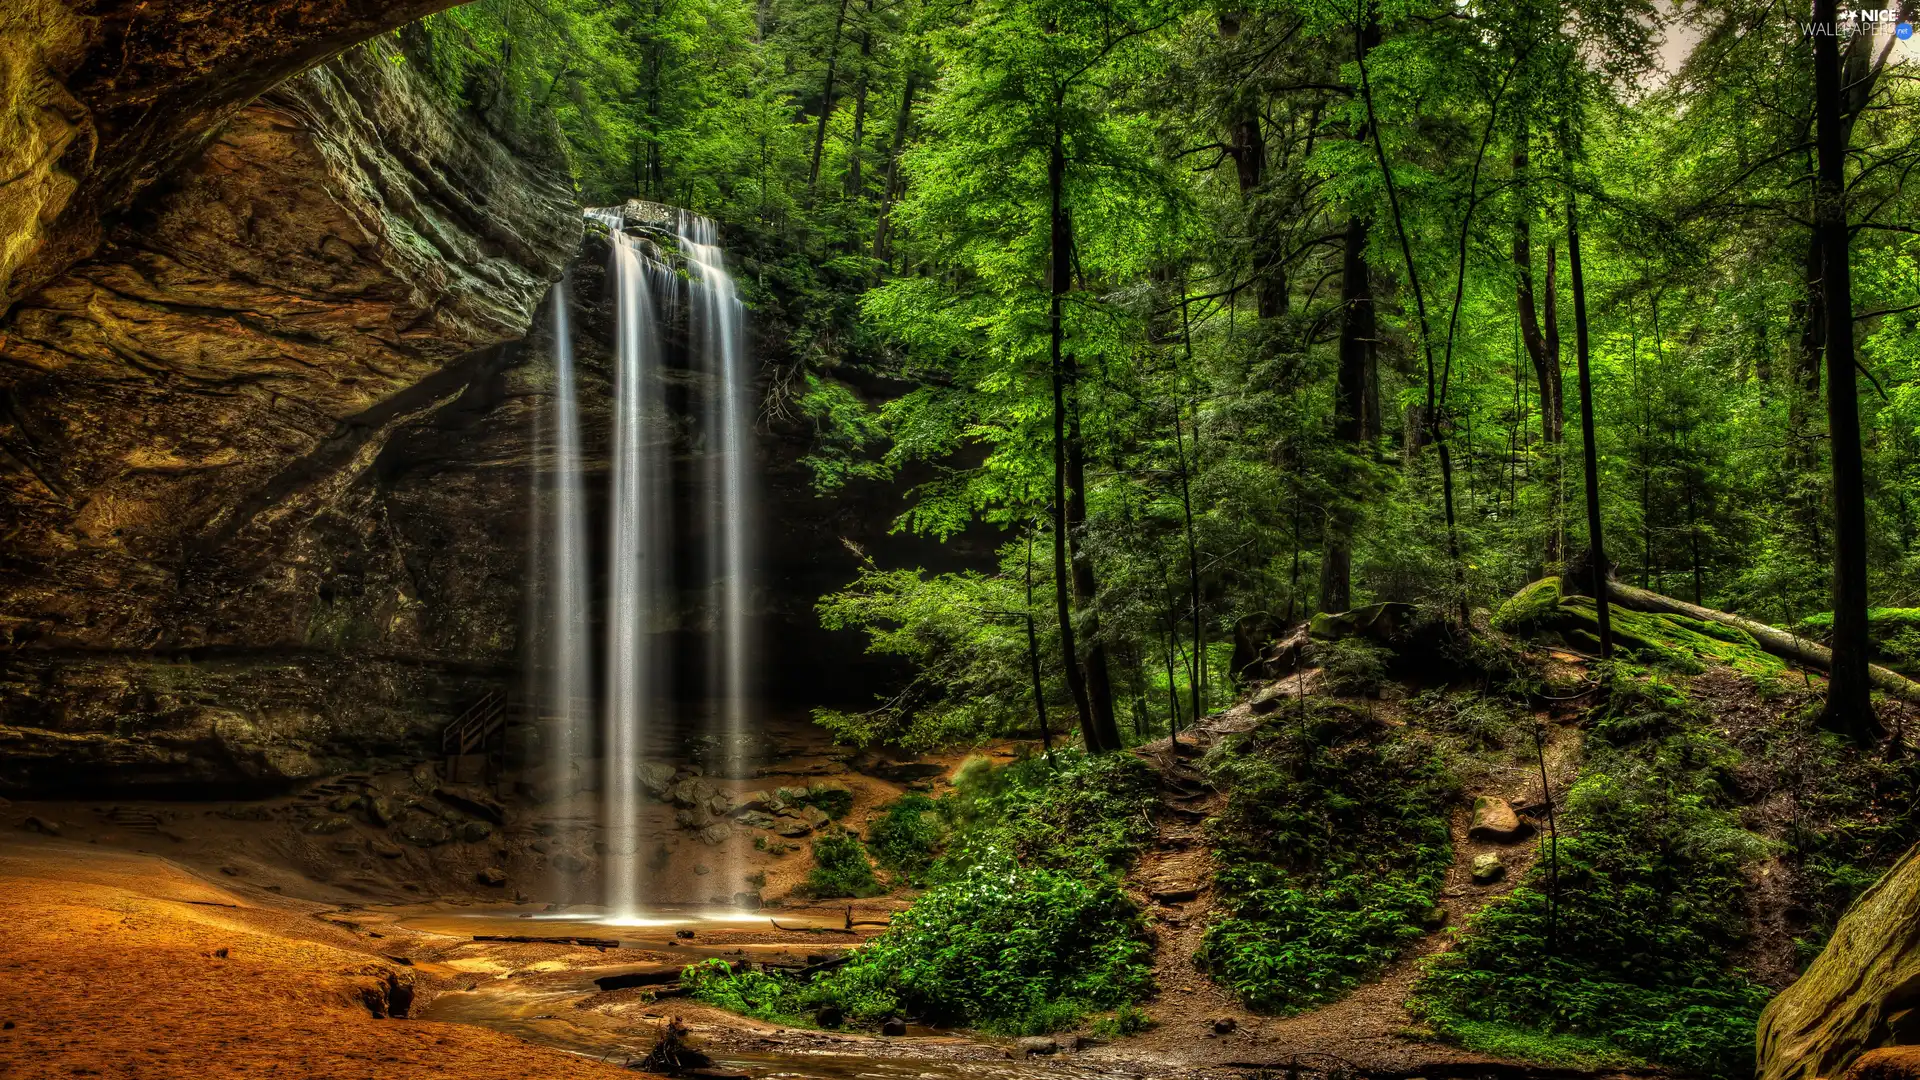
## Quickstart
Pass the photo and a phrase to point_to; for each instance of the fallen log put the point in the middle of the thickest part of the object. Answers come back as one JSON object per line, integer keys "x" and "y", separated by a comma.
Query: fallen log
{"x": 1771, "y": 639}
{"x": 589, "y": 942}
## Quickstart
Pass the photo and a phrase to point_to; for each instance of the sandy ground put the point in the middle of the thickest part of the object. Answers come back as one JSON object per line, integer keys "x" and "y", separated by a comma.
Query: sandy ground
{"x": 123, "y": 965}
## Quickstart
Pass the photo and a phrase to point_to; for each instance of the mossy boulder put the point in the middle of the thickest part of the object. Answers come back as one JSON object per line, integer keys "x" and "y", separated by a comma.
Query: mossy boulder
{"x": 1385, "y": 623}
{"x": 1527, "y": 610}
{"x": 1861, "y": 993}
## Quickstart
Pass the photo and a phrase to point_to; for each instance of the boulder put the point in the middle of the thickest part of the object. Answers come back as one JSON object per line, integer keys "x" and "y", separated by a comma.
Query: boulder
{"x": 657, "y": 779}
{"x": 568, "y": 863}
{"x": 493, "y": 876}
{"x": 893, "y": 1025}
{"x": 340, "y": 804}
{"x": 1037, "y": 1044}
{"x": 747, "y": 901}
{"x": 829, "y": 1016}
{"x": 720, "y": 804}
{"x": 1887, "y": 1063}
{"x": 1225, "y": 1025}
{"x": 42, "y": 825}
{"x": 1495, "y": 821}
{"x": 386, "y": 850}
{"x": 1386, "y": 623}
{"x": 379, "y": 810}
{"x": 424, "y": 832}
{"x": 332, "y": 824}
{"x": 754, "y": 819}
{"x": 1487, "y": 869}
{"x": 475, "y": 831}
{"x": 792, "y": 828}
{"x": 1860, "y": 994}
{"x": 473, "y": 803}
{"x": 692, "y": 818}
{"x": 716, "y": 833}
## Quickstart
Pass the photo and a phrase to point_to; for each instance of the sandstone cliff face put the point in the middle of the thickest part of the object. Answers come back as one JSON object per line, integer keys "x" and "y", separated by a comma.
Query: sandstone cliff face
{"x": 101, "y": 99}
{"x": 1862, "y": 992}
{"x": 210, "y": 573}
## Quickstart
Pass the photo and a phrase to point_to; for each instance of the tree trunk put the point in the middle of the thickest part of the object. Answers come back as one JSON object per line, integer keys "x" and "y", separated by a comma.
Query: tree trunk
{"x": 1033, "y": 659}
{"x": 1059, "y": 270}
{"x": 1596, "y": 546}
{"x": 858, "y": 145}
{"x": 1849, "y": 707}
{"x": 902, "y": 121}
{"x": 1357, "y": 332}
{"x": 1771, "y": 639}
{"x": 826, "y": 95}
{"x": 1086, "y": 589}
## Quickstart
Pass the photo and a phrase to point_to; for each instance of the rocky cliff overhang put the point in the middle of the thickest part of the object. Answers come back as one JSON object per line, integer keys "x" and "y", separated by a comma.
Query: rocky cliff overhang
{"x": 102, "y": 99}
{"x": 189, "y": 417}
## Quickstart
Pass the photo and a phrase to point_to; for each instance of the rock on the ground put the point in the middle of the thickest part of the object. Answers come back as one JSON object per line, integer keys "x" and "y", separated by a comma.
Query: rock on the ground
{"x": 1487, "y": 869}
{"x": 424, "y": 832}
{"x": 1887, "y": 1063}
{"x": 567, "y": 862}
{"x": 1859, "y": 994}
{"x": 1038, "y": 1044}
{"x": 1495, "y": 821}
{"x": 893, "y": 1025}
{"x": 493, "y": 876}
{"x": 333, "y": 824}
{"x": 1225, "y": 1025}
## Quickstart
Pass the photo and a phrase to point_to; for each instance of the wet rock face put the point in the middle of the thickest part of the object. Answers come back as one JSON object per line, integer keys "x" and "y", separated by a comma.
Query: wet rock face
{"x": 1861, "y": 993}
{"x": 101, "y": 100}
{"x": 197, "y": 429}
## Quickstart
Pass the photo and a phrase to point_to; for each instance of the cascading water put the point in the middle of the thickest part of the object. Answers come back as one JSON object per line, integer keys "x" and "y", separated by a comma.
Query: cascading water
{"x": 646, "y": 292}
{"x": 718, "y": 327}
{"x": 567, "y": 692}
{"x": 637, "y": 567}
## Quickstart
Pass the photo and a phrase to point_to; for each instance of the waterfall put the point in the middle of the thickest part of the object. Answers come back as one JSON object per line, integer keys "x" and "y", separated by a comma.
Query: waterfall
{"x": 718, "y": 328}
{"x": 567, "y": 695}
{"x": 637, "y": 568}
{"x": 647, "y": 294}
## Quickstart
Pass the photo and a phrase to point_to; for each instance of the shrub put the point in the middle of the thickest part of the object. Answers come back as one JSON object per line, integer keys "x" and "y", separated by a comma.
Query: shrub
{"x": 906, "y": 836}
{"x": 840, "y": 868}
{"x": 1353, "y": 665}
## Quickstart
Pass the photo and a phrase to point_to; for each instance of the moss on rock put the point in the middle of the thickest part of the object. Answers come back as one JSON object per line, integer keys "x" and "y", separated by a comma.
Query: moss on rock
{"x": 1526, "y": 609}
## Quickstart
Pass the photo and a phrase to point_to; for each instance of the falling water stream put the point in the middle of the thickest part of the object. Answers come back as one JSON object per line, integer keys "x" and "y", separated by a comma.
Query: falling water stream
{"x": 567, "y": 692}
{"x": 647, "y": 294}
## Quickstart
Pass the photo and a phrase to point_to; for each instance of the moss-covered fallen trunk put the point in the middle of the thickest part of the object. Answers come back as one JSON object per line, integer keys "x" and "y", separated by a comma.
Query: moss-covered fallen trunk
{"x": 1651, "y": 623}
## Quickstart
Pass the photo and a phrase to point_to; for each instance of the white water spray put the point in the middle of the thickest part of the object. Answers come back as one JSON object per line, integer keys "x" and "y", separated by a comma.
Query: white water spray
{"x": 567, "y": 694}
{"x": 637, "y": 570}
{"x": 718, "y": 326}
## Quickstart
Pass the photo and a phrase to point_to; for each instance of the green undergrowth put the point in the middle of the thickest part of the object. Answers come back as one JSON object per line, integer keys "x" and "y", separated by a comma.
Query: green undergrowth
{"x": 1024, "y": 927}
{"x": 1614, "y": 949}
{"x": 1843, "y": 816}
{"x": 1894, "y": 633}
{"x": 841, "y": 868}
{"x": 1331, "y": 852}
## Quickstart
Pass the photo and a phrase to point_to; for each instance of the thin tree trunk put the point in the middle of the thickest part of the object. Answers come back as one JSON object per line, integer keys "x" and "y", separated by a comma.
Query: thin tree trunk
{"x": 1085, "y": 587}
{"x": 902, "y": 121}
{"x": 1596, "y": 546}
{"x": 1033, "y": 659}
{"x": 1849, "y": 706}
{"x": 1186, "y": 510}
{"x": 1060, "y": 271}
{"x": 826, "y": 96}
{"x": 1357, "y": 333}
{"x": 858, "y": 145}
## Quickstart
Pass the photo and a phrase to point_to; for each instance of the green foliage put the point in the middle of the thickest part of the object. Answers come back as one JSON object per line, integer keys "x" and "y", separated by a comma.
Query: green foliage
{"x": 1615, "y": 947}
{"x": 1025, "y": 928}
{"x": 1331, "y": 852}
{"x": 841, "y": 868}
{"x": 836, "y": 802}
{"x": 907, "y": 836}
{"x": 1353, "y": 665}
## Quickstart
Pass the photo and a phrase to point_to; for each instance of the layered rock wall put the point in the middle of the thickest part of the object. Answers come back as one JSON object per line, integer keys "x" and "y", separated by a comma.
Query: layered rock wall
{"x": 192, "y": 419}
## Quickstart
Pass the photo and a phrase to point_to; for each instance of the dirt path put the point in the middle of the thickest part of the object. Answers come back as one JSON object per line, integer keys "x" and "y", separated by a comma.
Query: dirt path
{"x": 1369, "y": 1029}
